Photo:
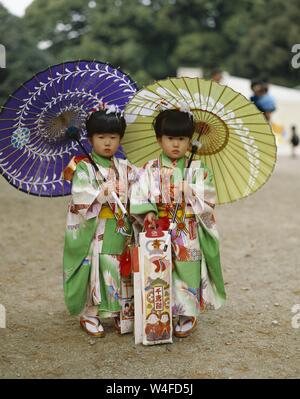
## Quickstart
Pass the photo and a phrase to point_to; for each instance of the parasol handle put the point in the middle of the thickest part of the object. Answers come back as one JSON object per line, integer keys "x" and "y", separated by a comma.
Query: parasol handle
{"x": 117, "y": 199}
{"x": 195, "y": 145}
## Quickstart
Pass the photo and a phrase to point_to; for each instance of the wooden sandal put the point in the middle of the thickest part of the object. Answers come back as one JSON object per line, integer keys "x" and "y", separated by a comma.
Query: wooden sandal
{"x": 83, "y": 323}
{"x": 184, "y": 334}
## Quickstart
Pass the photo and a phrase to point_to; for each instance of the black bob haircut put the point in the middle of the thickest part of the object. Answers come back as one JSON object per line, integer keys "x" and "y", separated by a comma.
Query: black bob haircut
{"x": 101, "y": 122}
{"x": 172, "y": 122}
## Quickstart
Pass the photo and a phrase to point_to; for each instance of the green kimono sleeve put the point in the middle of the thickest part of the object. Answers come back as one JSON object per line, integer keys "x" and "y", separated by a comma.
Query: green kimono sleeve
{"x": 210, "y": 249}
{"x": 142, "y": 200}
{"x": 76, "y": 267}
{"x": 78, "y": 238}
{"x": 208, "y": 234}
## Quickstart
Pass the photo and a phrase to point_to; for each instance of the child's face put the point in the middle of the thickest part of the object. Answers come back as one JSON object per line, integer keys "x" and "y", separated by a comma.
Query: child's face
{"x": 105, "y": 144}
{"x": 174, "y": 147}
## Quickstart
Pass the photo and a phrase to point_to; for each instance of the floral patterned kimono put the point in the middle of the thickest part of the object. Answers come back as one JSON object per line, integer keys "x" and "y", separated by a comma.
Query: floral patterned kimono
{"x": 94, "y": 239}
{"x": 197, "y": 275}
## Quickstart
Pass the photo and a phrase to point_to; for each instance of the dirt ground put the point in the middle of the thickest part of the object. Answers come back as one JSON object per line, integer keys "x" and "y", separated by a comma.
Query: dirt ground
{"x": 251, "y": 336}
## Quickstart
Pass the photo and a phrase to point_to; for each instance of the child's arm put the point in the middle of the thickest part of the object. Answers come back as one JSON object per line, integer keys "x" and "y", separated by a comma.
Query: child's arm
{"x": 142, "y": 201}
{"x": 87, "y": 195}
{"x": 133, "y": 173}
{"x": 204, "y": 199}
{"x": 199, "y": 189}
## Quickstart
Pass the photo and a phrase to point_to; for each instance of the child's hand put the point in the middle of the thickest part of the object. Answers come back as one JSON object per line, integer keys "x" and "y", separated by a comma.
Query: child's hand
{"x": 150, "y": 218}
{"x": 105, "y": 192}
{"x": 108, "y": 187}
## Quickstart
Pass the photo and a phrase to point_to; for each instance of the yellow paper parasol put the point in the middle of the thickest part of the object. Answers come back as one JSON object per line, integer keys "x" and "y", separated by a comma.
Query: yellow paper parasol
{"x": 237, "y": 143}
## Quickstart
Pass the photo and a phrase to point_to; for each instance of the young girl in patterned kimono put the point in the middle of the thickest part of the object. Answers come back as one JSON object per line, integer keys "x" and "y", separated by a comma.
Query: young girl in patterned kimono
{"x": 197, "y": 276}
{"x": 97, "y": 234}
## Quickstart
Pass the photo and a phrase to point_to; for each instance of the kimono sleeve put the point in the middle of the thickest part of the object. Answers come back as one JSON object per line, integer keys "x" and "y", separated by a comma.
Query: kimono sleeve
{"x": 209, "y": 192}
{"x": 202, "y": 193}
{"x": 207, "y": 215}
{"x": 129, "y": 177}
{"x": 195, "y": 192}
{"x": 87, "y": 195}
{"x": 209, "y": 242}
{"x": 133, "y": 176}
{"x": 142, "y": 198}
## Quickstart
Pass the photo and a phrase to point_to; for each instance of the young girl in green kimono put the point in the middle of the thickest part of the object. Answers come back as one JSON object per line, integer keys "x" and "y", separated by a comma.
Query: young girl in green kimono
{"x": 97, "y": 234}
{"x": 197, "y": 276}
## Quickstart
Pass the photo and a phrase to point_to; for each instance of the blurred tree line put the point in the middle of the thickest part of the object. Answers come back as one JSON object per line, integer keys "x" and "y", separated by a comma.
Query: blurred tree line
{"x": 149, "y": 39}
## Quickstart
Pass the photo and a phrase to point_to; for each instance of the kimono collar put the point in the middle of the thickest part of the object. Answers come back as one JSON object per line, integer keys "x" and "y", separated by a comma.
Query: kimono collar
{"x": 177, "y": 163}
{"x": 105, "y": 162}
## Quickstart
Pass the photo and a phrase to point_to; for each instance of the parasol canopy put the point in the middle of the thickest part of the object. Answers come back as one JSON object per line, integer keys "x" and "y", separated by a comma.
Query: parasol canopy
{"x": 236, "y": 142}
{"x": 34, "y": 149}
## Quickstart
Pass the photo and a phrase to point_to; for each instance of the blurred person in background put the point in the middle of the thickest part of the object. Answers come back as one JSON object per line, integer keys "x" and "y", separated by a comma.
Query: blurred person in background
{"x": 294, "y": 140}
{"x": 216, "y": 75}
{"x": 264, "y": 101}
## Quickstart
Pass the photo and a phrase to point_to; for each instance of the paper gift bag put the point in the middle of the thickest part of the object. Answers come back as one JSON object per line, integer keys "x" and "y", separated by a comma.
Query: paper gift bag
{"x": 155, "y": 286}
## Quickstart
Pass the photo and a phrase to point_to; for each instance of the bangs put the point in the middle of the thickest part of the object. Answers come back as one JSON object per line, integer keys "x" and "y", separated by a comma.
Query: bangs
{"x": 100, "y": 122}
{"x": 174, "y": 123}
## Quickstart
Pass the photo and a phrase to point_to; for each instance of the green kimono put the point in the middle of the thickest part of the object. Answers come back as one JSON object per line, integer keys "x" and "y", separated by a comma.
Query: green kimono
{"x": 197, "y": 275}
{"x": 94, "y": 240}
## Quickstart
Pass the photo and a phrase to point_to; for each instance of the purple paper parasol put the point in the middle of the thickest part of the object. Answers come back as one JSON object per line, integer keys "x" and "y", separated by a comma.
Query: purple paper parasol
{"x": 34, "y": 150}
